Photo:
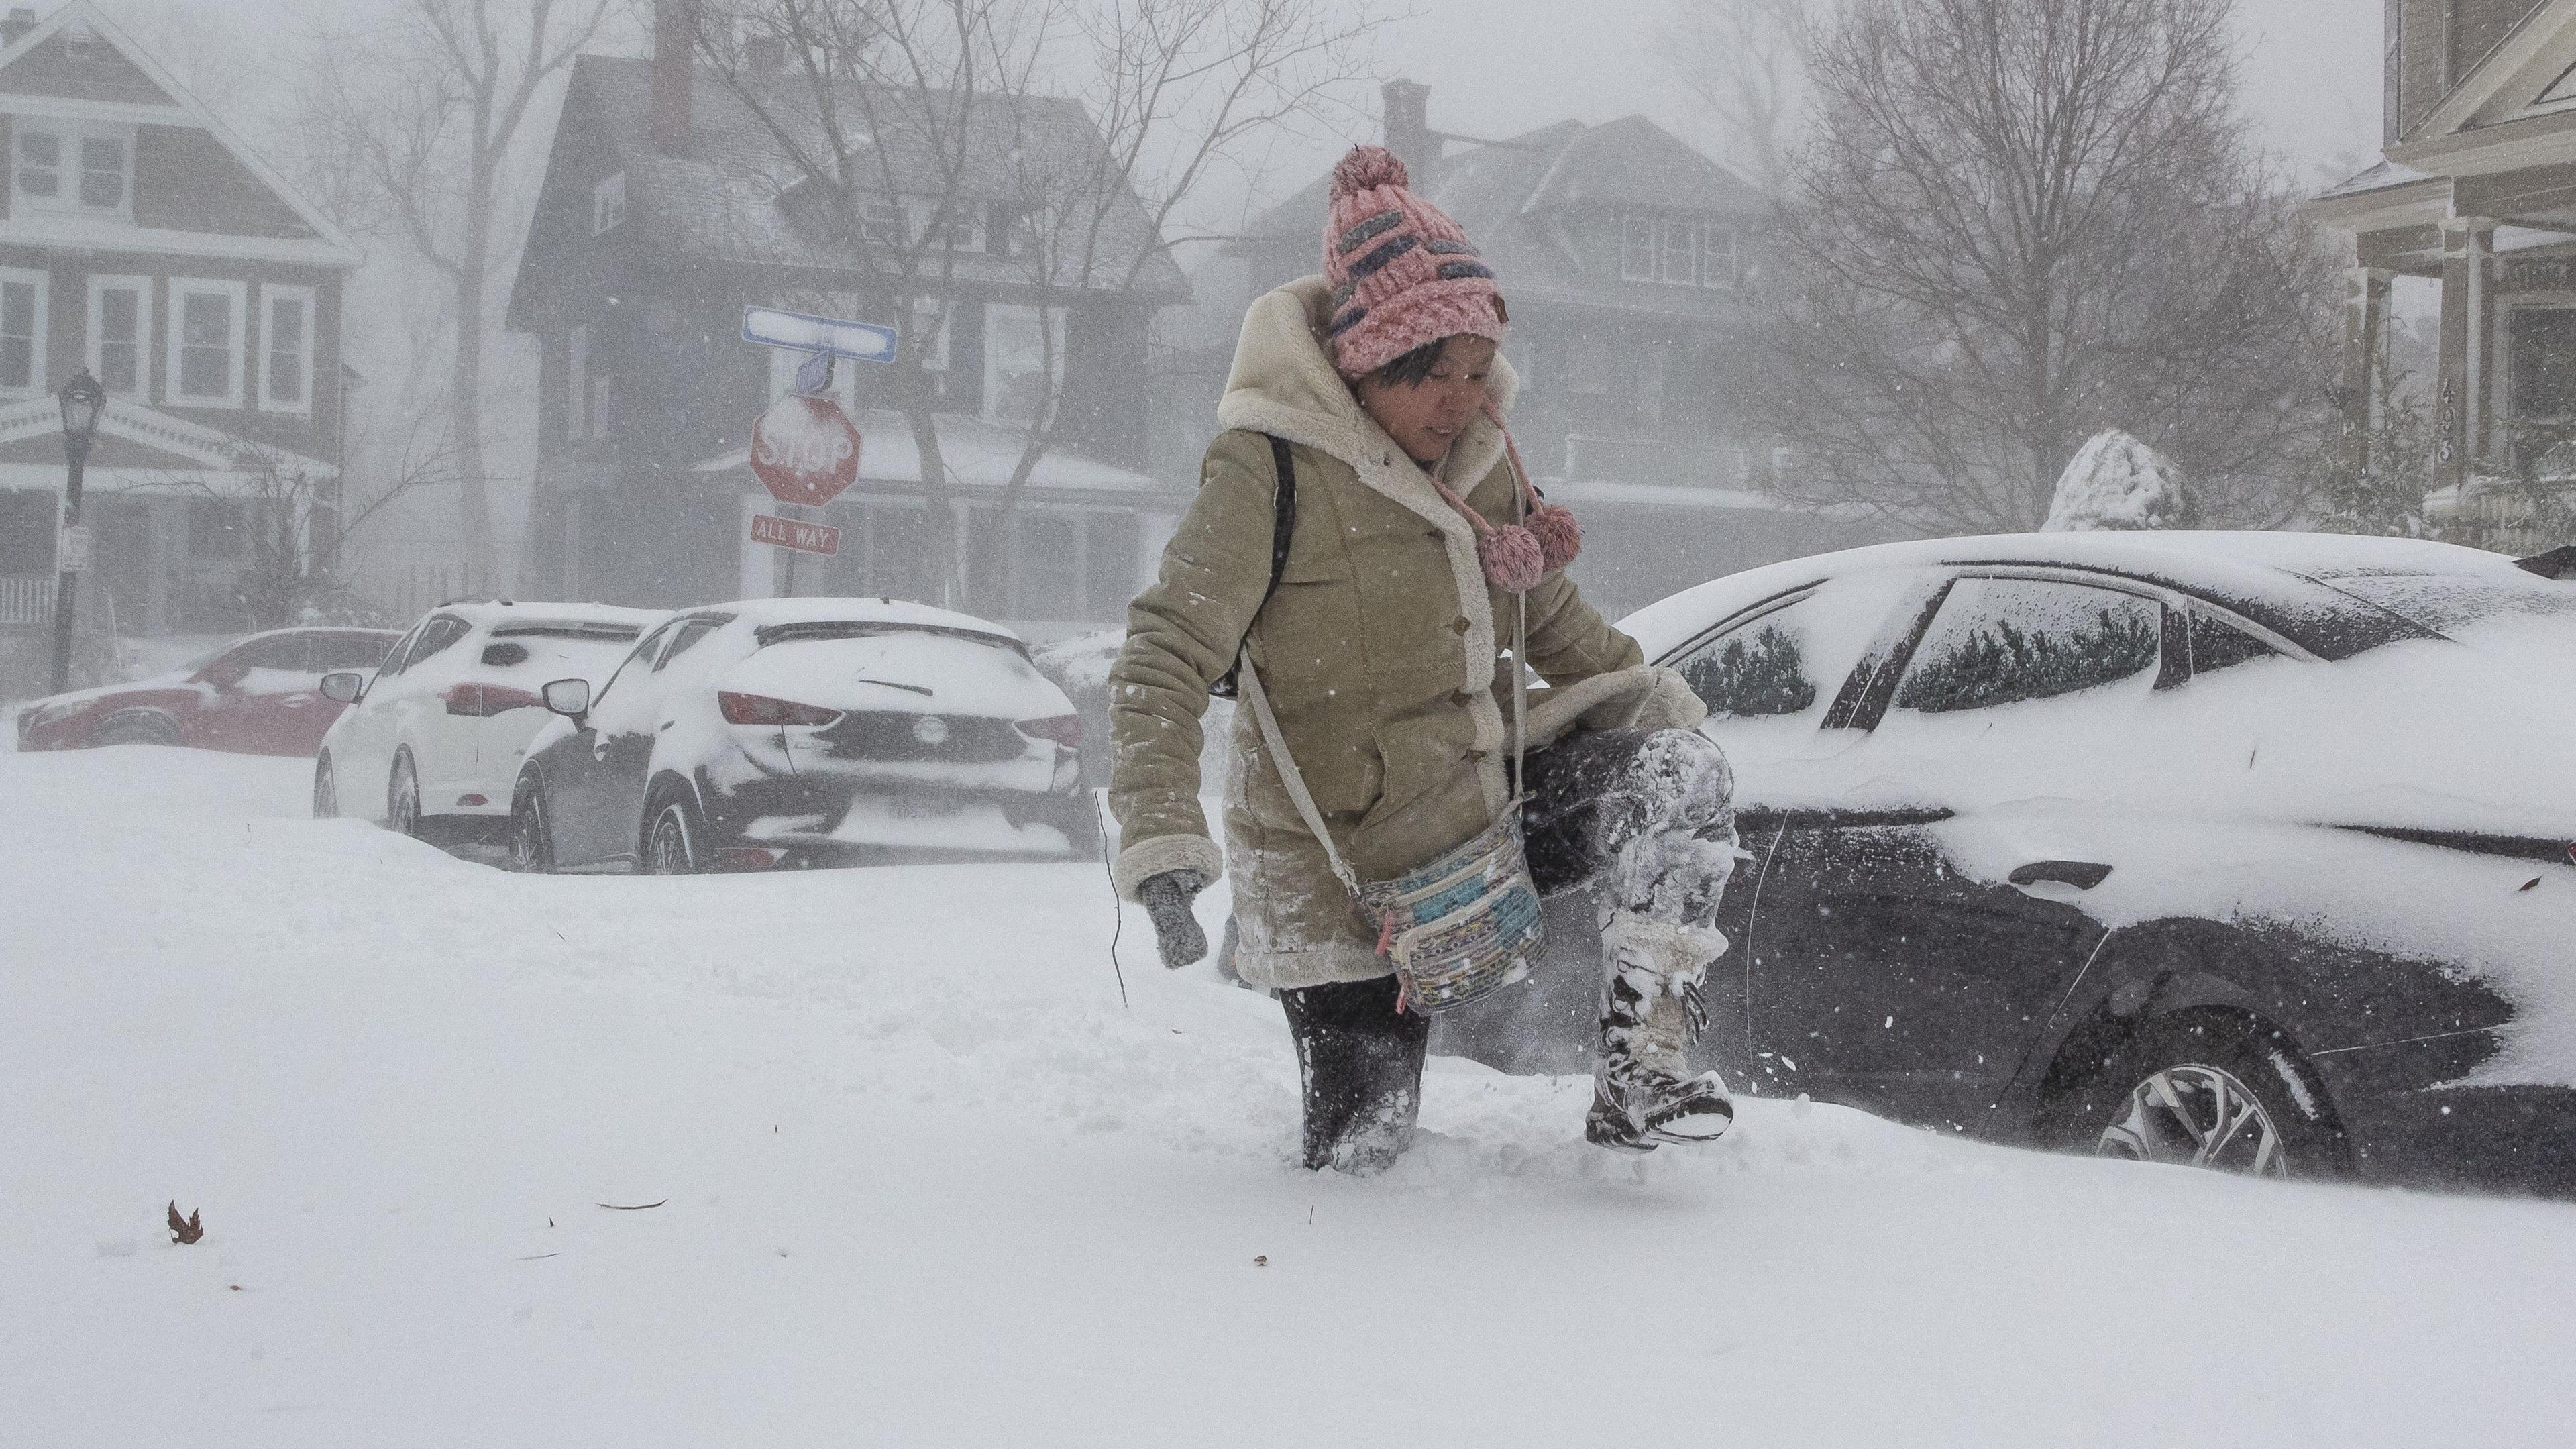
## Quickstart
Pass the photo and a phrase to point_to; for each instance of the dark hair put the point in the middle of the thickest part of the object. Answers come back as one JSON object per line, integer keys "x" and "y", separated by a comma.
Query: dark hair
{"x": 1411, "y": 368}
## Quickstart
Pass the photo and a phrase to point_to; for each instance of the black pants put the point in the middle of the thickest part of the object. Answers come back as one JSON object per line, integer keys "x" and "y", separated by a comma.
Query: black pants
{"x": 1601, "y": 801}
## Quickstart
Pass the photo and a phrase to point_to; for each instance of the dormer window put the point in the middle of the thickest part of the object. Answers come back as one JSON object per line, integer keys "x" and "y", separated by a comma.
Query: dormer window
{"x": 1676, "y": 251}
{"x": 608, "y": 204}
{"x": 60, "y": 166}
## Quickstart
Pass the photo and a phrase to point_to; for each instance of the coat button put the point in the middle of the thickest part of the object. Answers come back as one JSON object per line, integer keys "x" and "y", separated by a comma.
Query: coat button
{"x": 1460, "y": 624}
{"x": 1459, "y": 696}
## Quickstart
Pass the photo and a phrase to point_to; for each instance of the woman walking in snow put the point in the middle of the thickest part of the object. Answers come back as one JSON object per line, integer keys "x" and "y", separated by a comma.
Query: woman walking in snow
{"x": 1378, "y": 635}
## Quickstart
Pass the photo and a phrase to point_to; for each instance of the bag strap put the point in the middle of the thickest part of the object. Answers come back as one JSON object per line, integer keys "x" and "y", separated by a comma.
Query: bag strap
{"x": 1283, "y": 527}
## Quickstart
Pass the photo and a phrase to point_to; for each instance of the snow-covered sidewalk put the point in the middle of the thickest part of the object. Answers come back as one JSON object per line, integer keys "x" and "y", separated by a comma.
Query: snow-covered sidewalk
{"x": 922, "y": 1180}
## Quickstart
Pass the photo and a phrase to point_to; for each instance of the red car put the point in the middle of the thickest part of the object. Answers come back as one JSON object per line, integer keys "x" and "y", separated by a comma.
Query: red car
{"x": 259, "y": 695}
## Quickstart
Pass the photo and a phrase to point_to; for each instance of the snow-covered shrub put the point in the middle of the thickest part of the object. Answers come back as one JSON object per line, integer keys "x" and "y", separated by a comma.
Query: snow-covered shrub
{"x": 2115, "y": 482}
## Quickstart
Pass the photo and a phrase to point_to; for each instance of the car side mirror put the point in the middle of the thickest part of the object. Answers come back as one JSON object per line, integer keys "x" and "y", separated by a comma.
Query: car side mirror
{"x": 569, "y": 698}
{"x": 344, "y": 686}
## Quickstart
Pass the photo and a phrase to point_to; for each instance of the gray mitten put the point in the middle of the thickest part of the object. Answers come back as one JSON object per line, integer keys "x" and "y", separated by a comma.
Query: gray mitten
{"x": 1176, "y": 931}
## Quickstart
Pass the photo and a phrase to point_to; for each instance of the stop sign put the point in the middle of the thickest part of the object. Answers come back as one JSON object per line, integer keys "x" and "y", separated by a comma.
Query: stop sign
{"x": 805, "y": 450}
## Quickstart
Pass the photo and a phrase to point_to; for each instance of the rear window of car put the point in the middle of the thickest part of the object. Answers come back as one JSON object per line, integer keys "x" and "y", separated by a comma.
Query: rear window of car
{"x": 806, "y": 632}
{"x": 2444, "y": 602}
{"x": 603, "y": 630}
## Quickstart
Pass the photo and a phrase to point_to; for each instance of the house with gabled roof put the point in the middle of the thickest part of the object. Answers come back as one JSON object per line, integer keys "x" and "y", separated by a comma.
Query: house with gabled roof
{"x": 668, "y": 205}
{"x": 1628, "y": 259}
{"x": 2476, "y": 193}
{"x": 142, "y": 239}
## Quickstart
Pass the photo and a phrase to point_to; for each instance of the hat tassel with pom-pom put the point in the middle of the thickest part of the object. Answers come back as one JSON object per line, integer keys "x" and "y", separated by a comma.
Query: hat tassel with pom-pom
{"x": 1516, "y": 556}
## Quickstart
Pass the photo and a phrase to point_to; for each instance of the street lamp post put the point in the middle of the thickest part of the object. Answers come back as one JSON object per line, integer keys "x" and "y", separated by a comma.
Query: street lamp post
{"x": 82, "y": 399}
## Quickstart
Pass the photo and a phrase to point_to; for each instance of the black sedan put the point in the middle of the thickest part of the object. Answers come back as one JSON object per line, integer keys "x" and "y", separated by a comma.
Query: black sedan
{"x": 2247, "y": 851}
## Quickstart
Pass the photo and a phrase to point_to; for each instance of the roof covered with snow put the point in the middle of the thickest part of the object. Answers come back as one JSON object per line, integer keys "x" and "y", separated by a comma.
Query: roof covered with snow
{"x": 737, "y": 196}
{"x": 976, "y": 454}
{"x": 1513, "y": 198}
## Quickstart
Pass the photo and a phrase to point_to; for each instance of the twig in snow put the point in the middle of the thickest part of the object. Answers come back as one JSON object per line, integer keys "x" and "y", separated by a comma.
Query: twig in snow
{"x": 532, "y": 1257}
{"x": 631, "y": 1207}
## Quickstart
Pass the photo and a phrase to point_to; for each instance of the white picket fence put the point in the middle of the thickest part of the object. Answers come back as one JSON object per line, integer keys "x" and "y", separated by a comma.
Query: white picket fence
{"x": 27, "y": 600}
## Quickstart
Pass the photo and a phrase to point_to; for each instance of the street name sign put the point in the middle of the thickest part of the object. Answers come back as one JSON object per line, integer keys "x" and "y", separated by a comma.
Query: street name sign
{"x": 803, "y": 537}
{"x": 804, "y": 332}
{"x": 805, "y": 450}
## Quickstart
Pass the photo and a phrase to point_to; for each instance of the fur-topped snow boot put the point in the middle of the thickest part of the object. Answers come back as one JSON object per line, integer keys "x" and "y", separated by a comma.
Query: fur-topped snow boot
{"x": 1642, "y": 1092}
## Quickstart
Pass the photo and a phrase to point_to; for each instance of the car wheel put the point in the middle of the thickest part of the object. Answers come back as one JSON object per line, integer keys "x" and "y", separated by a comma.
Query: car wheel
{"x": 326, "y": 790}
{"x": 671, "y": 842}
{"x": 402, "y": 796}
{"x": 136, "y": 729}
{"x": 2217, "y": 1090}
{"x": 532, "y": 846}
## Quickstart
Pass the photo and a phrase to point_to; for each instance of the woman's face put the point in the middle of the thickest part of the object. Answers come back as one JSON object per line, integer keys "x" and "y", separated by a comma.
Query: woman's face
{"x": 1426, "y": 417}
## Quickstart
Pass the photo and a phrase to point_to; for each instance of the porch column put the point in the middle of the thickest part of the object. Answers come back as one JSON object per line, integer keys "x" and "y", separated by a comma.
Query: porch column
{"x": 2365, "y": 310}
{"x": 2468, "y": 252}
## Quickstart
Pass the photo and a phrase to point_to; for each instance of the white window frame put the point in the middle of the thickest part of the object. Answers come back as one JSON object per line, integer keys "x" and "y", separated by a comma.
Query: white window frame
{"x": 1713, "y": 273}
{"x": 68, "y": 136}
{"x": 269, "y": 293}
{"x": 993, "y": 313}
{"x": 95, "y": 335}
{"x": 1629, "y": 247}
{"x": 1667, "y": 254}
{"x": 933, "y": 349}
{"x": 235, "y": 293}
{"x": 608, "y": 204}
{"x": 37, "y": 378}
{"x": 603, "y": 404}
{"x": 576, "y": 383}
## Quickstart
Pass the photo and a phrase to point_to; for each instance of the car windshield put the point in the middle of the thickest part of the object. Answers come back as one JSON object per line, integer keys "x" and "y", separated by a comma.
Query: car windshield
{"x": 809, "y": 631}
{"x": 2445, "y": 602}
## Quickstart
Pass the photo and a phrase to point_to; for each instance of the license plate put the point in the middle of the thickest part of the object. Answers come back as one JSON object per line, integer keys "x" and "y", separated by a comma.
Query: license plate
{"x": 921, "y": 807}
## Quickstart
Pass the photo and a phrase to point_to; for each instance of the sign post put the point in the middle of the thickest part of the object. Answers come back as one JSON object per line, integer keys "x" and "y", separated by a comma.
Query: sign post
{"x": 804, "y": 449}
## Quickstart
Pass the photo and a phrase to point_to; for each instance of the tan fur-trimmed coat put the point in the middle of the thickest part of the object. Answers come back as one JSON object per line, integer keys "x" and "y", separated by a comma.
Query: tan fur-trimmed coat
{"x": 1379, "y": 651}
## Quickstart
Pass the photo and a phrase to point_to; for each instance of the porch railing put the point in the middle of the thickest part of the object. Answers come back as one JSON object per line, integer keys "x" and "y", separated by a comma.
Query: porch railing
{"x": 27, "y": 600}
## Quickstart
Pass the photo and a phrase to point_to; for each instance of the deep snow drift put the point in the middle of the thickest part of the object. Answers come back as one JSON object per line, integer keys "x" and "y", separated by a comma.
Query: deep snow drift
{"x": 923, "y": 1180}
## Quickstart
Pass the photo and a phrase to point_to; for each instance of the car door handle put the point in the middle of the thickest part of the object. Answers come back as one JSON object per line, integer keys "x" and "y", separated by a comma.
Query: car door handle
{"x": 2084, "y": 875}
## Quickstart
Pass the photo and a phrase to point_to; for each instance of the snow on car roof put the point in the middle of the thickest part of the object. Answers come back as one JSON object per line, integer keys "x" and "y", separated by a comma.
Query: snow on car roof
{"x": 761, "y": 613}
{"x": 516, "y": 611}
{"x": 2228, "y": 564}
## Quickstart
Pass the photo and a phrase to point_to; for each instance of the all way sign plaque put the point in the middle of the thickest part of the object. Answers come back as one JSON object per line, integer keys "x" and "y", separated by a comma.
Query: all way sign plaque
{"x": 803, "y": 537}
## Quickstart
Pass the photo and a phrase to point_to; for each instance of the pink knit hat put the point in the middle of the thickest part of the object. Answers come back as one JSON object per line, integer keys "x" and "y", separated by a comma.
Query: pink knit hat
{"x": 1402, "y": 272}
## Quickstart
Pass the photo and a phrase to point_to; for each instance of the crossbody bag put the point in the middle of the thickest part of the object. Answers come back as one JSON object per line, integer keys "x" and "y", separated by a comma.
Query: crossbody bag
{"x": 1466, "y": 922}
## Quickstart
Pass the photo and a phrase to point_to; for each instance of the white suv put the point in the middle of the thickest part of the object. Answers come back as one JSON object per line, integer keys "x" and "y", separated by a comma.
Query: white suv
{"x": 436, "y": 735}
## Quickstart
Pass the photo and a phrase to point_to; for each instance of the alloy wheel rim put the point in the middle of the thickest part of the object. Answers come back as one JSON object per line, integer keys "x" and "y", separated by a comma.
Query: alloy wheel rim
{"x": 326, "y": 792}
{"x": 406, "y": 803}
{"x": 671, "y": 855}
{"x": 2197, "y": 1116}
{"x": 528, "y": 839}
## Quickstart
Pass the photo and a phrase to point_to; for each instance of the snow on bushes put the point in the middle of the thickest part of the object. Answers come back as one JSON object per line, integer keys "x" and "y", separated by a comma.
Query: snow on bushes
{"x": 2115, "y": 481}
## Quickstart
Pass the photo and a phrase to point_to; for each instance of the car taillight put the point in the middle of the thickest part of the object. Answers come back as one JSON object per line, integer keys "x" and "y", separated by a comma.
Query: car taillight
{"x": 1064, "y": 729}
{"x": 760, "y": 709}
{"x": 482, "y": 701}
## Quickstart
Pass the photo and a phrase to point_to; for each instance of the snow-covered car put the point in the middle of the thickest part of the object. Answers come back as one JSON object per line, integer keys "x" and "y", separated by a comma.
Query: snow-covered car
{"x": 2241, "y": 850}
{"x": 785, "y": 731}
{"x": 257, "y": 695}
{"x": 434, "y": 737}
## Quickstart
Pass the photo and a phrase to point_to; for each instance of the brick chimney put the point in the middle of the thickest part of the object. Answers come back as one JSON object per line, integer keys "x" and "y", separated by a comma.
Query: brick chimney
{"x": 20, "y": 21}
{"x": 1408, "y": 127}
{"x": 674, "y": 72}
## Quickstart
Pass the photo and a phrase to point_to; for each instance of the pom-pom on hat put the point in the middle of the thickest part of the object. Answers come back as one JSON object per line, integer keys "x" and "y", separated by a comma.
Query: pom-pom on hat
{"x": 1401, "y": 271}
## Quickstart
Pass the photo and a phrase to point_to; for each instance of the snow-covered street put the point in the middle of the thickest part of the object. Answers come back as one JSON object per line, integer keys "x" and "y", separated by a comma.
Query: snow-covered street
{"x": 921, "y": 1179}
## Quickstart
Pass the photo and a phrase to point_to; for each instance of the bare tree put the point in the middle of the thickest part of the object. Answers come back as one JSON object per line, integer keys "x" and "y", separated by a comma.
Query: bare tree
{"x": 1745, "y": 62}
{"x": 290, "y": 538}
{"x": 926, "y": 139}
{"x": 2018, "y": 222}
{"x": 409, "y": 124}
